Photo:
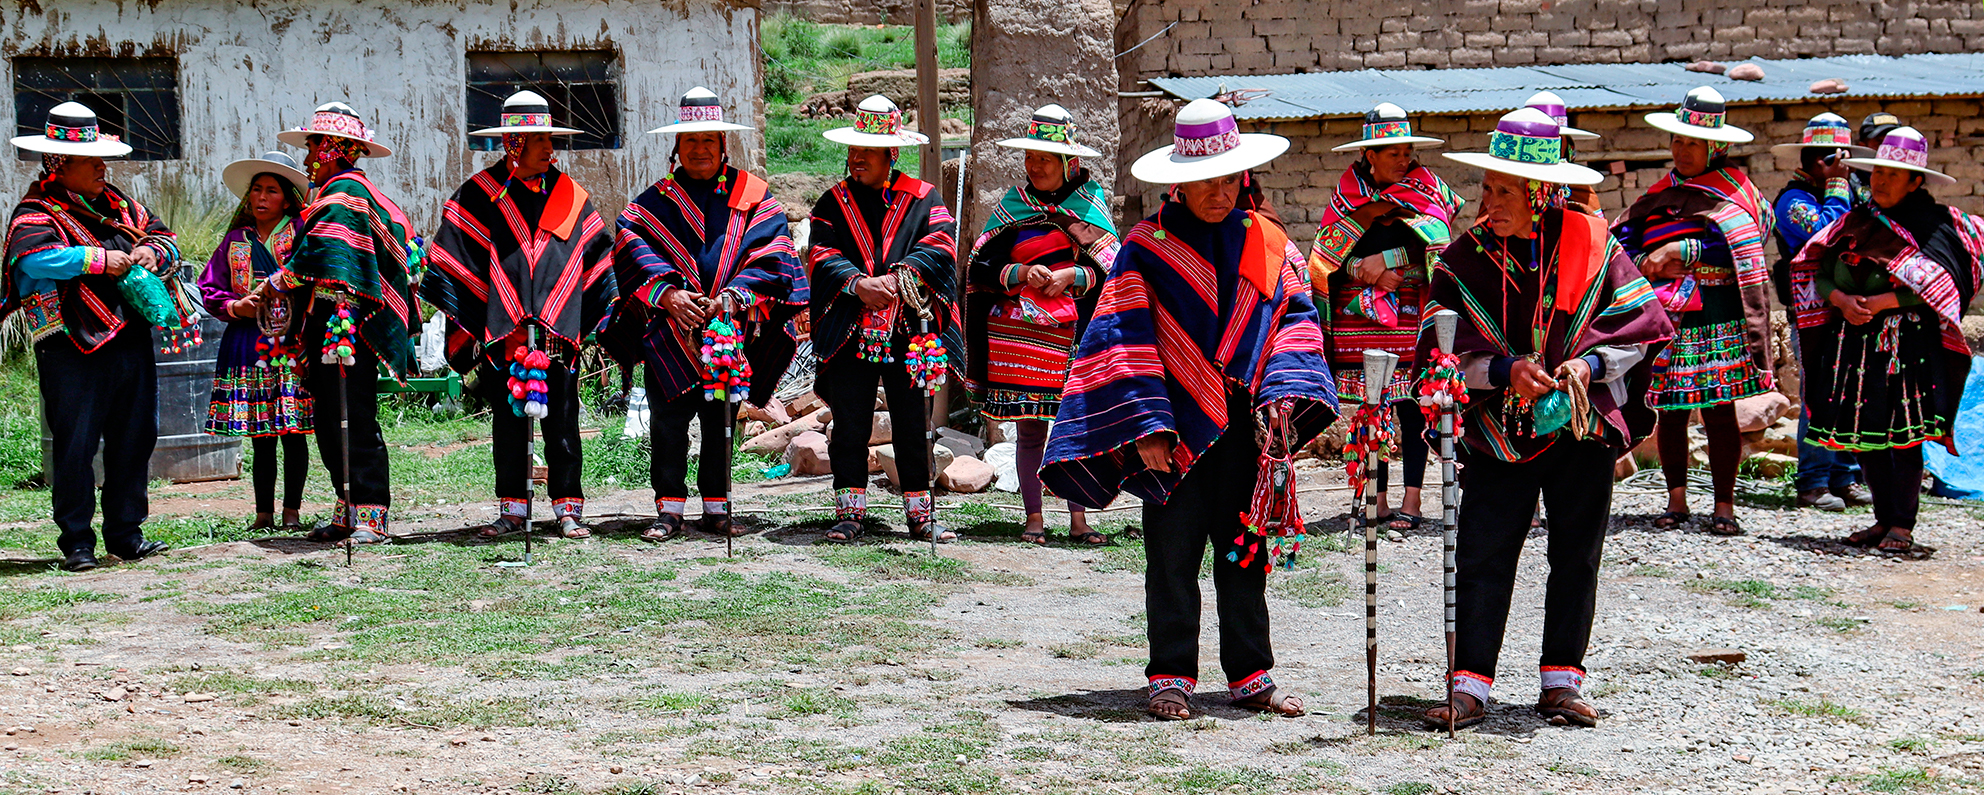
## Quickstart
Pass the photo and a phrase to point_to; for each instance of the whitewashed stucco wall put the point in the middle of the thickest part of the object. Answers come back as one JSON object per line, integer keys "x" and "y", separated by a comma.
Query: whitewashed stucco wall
{"x": 249, "y": 69}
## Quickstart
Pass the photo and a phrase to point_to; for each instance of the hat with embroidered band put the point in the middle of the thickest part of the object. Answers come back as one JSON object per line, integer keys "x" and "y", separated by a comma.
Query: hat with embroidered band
{"x": 337, "y": 120}
{"x": 239, "y": 174}
{"x": 1527, "y": 143}
{"x": 1386, "y": 125}
{"x": 1904, "y": 148}
{"x": 1826, "y": 131}
{"x": 1206, "y": 143}
{"x": 700, "y": 111}
{"x": 525, "y": 112}
{"x": 72, "y": 130}
{"x": 877, "y": 123}
{"x": 1052, "y": 129}
{"x": 1553, "y": 106}
{"x": 1702, "y": 115}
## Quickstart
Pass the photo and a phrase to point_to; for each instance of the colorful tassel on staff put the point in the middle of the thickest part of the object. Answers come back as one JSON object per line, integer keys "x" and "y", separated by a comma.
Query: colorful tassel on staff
{"x": 340, "y": 337}
{"x": 1370, "y": 430}
{"x": 1443, "y": 387}
{"x": 928, "y": 362}
{"x": 727, "y": 371}
{"x": 530, "y": 396}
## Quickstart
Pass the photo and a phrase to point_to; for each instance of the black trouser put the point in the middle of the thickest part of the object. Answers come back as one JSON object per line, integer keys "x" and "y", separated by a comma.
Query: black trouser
{"x": 1575, "y": 479}
{"x": 668, "y": 469}
{"x": 509, "y": 434}
{"x": 371, "y": 470}
{"x": 850, "y": 384}
{"x": 1207, "y": 505}
{"x": 1412, "y": 447}
{"x": 110, "y": 396}
{"x": 1895, "y": 478}
{"x": 295, "y": 467}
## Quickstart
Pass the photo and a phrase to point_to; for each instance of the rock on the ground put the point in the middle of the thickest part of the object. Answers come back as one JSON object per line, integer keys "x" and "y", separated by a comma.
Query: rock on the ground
{"x": 886, "y": 456}
{"x": 883, "y": 431}
{"x": 1781, "y": 437}
{"x": 1774, "y": 465}
{"x": 1758, "y": 412}
{"x": 1730, "y": 656}
{"x": 966, "y": 475}
{"x": 1624, "y": 467}
{"x": 808, "y": 454}
{"x": 772, "y": 414}
{"x": 775, "y": 440}
{"x": 115, "y": 694}
{"x": 23, "y": 671}
{"x": 960, "y": 442}
{"x": 1003, "y": 458}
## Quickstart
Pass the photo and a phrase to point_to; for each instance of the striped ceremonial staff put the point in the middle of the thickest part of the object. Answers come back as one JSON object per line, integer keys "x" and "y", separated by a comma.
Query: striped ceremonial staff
{"x": 1445, "y": 323}
{"x": 729, "y": 433}
{"x": 530, "y": 458}
{"x": 929, "y": 432}
{"x": 1378, "y": 367}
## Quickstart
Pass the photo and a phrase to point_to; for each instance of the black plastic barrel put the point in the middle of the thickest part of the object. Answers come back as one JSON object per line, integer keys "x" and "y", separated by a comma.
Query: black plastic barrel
{"x": 185, "y": 385}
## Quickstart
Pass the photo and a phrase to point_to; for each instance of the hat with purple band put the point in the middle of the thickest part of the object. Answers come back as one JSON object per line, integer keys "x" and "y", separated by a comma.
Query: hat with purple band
{"x": 1704, "y": 115}
{"x": 525, "y": 112}
{"x": 1826, "y": 131}
{"x": 877, "y": 124}
{"x": 72, "y": 130}
{"x": 1387, "y": 125}
{"x": 700, "y": 111}
{"x": 337, "y": 120}
{"x": 1554, "y": 107}
{"x": 1206, "y": 143}
{"x": 1527, "y": 143}
{"x": 1906, "y": 149}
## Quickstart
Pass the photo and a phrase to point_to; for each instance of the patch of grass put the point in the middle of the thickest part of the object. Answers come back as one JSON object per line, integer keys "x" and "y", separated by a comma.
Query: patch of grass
{"x": 887, "y": 563}
{"x": 1753, "y": 588}
{"x": 226, "y": 682}
{"x": 669, "y": 702}
{"x": 999, "y": 643}
{"x": 1905, "y": 780}
{"x": 1811, "y": 593}
{"x": 1717, "y": 671}
{"x": 1572, "y": 768}
{"x": 1913, "y": 745}
{"x": 1840, "y": 624}
{"x": 801, "y": 703}
{"x": 1077, "y": 650}
{"x": 1904, "y": 605}
{"x": 26, "y": 602}
{"x": 1822, "y": 708}
{"x": 1312, "y": 587}
{"x": 1205, "y": 779}
{"x": 1644, "y": 570}
{"x": 132, "y": 749}
{"x": 1409, "y": 788}
{"x": 244, "y": 764}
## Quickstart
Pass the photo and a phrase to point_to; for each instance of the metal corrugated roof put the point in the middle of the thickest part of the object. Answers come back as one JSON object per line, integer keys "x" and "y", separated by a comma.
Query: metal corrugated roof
{"x": 1583, "y": 86}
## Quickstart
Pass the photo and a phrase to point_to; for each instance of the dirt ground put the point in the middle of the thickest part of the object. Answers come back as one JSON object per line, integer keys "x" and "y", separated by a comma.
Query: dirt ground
{"x": 615, "y": 666}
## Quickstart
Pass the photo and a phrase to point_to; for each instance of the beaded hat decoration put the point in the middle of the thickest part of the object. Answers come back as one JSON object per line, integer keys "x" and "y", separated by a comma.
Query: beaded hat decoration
{"x": 1704, "y": 115}
{"x": 336, "y": 120}
{"x": 1826, "y": 131}
{"x": 1528, "y": 144}
{"x": 71, "y": 130}
{"x": 877, "y": 123}
{"x": 700, "y": 110}
{"x": 1905, "y": 149}
{"x": 1387, "y": 125}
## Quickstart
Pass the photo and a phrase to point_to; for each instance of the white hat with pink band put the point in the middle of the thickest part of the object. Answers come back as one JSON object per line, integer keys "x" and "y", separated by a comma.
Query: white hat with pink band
{"x": 1906, "y": 149}
{"x": 1206, "y": 143}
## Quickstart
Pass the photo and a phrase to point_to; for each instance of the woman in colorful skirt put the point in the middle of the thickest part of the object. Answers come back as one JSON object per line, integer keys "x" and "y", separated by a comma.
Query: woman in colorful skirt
{"x": 1879, "y": 296}
{"x": 1034, "y": 276}
{"x": 258, "y": 390}
{"x": 1698, "y": 236}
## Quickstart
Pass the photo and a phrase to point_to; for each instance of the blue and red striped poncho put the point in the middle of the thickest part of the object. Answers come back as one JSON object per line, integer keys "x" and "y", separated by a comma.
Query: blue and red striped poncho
{"x": 856, "y": 235}
{"x": 745, "y": 245}
{"x": 1189, "y": 311}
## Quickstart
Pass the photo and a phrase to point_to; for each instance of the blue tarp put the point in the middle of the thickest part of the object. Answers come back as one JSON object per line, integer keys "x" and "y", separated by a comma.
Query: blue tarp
{"x": 1963, "y": 478}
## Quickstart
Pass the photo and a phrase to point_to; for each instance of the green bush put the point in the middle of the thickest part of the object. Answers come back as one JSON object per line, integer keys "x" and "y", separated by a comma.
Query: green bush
{"x": 798, "y": 37}
{"x": 845, "y": 44}
{"x": 781, "y": 84}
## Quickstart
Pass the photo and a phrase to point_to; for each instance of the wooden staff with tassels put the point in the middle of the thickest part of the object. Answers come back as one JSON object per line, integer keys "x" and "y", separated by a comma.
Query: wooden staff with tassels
{"x": 1378, "y": 367}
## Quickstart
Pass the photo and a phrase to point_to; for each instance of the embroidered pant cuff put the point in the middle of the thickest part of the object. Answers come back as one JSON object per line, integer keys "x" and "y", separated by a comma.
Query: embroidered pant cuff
{"x": 1251, "y": 686}
{"x": 574, "y": 507}
{"x": 919, "y": 507}
{"x": 1473, "y": 684}
{"x": 716, "y": 506}
{"x": 1556, "y": 676}
{"x": 671, "y": 505}
{"x": 851, "y": 503}
{"x": 1182, "y": 684}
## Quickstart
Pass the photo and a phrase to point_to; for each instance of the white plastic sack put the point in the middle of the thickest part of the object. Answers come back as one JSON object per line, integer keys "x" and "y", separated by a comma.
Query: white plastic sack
{"x": 1003, "y": 458}
{"x": 637, "y": 413}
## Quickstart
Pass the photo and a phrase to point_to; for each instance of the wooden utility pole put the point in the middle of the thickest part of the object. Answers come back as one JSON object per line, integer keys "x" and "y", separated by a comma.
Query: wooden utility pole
{"x": 929, "y": 113}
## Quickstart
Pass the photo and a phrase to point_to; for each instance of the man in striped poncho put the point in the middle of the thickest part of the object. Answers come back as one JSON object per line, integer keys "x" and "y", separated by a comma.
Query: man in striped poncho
{"x": 354, "y": 254}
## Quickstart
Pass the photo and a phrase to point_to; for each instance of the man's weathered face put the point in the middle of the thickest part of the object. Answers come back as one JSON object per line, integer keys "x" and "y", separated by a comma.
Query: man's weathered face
{"x": 868, "y": 165}
{"x": 1211, "y": 200}
{"x": 1044, "y": 171}
{"x": 1889, "y": 185}
{"x": 1389, "y": 164}
{"x": 1505, "y": 205}
{"x": 84, "y": 176}
{"x": 1690, "y": 155}
{"x": 537, "y": 154}
{"x": 701, "y": 153}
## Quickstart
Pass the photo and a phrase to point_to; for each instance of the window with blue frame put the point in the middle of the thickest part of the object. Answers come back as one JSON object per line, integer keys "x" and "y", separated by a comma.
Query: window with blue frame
{"x": 583, "y": 87}
{"x": 136, "y": 99}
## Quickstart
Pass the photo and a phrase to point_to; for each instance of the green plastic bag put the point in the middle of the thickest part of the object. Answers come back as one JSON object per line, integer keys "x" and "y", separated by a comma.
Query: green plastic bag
{"x": 149, "y": 294}
{"x": 1552, "y": 411}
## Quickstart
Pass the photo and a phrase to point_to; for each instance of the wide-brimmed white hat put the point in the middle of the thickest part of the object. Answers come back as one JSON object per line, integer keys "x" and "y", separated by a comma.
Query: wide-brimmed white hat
{"x": 1906, "y": 149}
{"x": 1206, "y": 143}
{"x": 525, "y": 112}
{"x": 700, "y": 111}
{"x": 1527, "y": 143}
{"x": 1702, "y": 115}
{"x": 72, "y": 130}
{"x": 1387, "y": 125}
{"x": 1826, "y": 131}
{"x": 239, "y": 174}
{"x": 338, "y": 120}
{"x": 1052, "y": 130}
{"x": 1553, "y": 106}
{"x": 877, "y": 123}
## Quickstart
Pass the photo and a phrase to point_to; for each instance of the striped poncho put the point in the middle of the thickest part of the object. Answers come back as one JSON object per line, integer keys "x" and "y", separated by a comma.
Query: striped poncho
{"x": 915, "y": 230}
{"x": 745, "y": 247}
{"x": 355, "y": 240}
{"x": 506, "y": 255}
{"x": 87, "y": 303}
{"x": 1190, "y": 311}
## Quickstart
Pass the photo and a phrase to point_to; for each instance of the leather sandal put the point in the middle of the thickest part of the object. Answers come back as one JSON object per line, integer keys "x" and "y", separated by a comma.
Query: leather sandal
{"x": 1564, "y": 706}
{"x": 844, "y": 531}
{"x": 1169, "y": 697}
{"x": 1276, "y": 701}
{"x": 1866, "y": 539}
{"x": 666, "y": 526}
{"x": 1725, "y": 526}
{"x": 1898, "y": 539}
{"x": 1466, "y": 710}
{"x": 1672, "y": 519}
{"x": 928, "y": 531}
{"x": 1087, "y": 538}
{"x": 503, "y": 526}
{"x": 328, "y": 534}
